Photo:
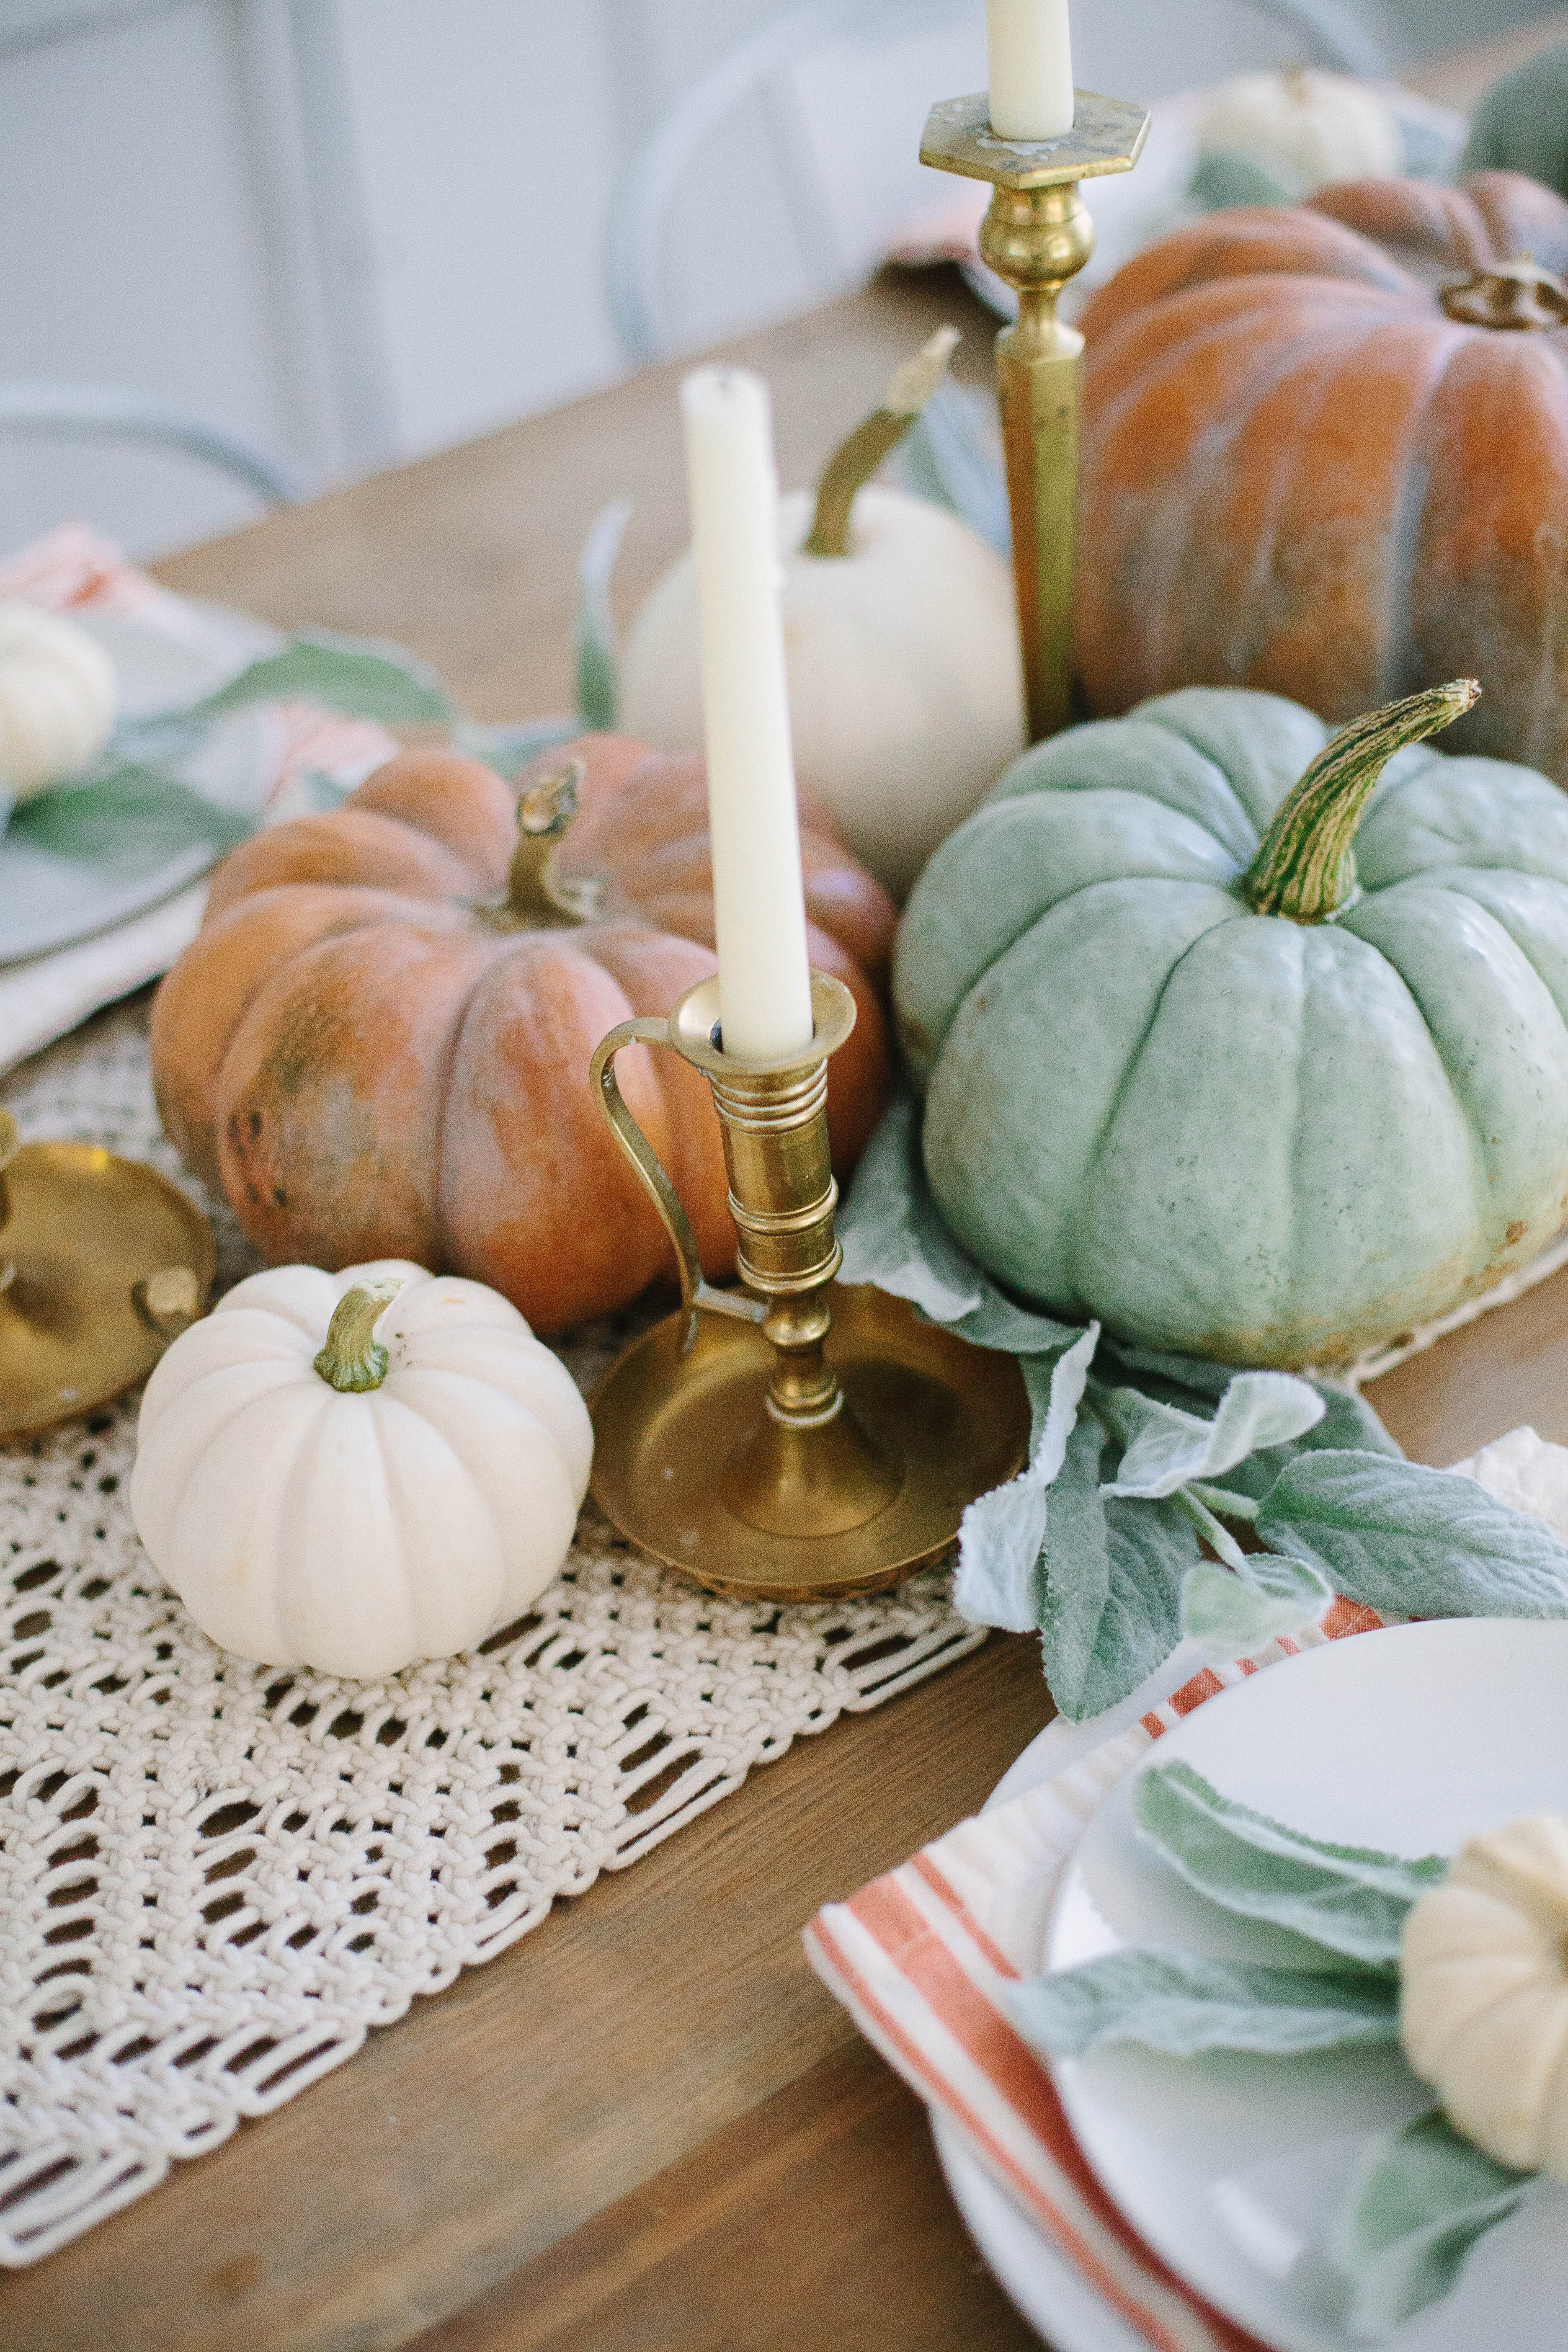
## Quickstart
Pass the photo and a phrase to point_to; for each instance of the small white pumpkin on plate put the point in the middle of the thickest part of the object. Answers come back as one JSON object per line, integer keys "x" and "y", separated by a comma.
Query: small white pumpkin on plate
{"x": 905, "y": 690}
{"x": 58, "y": 696}
{"x": 353, "y": 1471}
{"x": 1483, "y": 2015}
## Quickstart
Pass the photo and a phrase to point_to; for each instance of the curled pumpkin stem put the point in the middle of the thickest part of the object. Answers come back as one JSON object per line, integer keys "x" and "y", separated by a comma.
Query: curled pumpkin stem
{"x": 855, "y": 461}
{"x": 538, "y": 896}
{"x": 354, "y": 1358}
{"x": 1305, "y": 866}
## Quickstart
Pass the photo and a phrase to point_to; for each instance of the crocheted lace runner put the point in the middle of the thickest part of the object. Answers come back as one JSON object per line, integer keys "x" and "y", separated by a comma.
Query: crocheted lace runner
{"x": 216, "y": 1878}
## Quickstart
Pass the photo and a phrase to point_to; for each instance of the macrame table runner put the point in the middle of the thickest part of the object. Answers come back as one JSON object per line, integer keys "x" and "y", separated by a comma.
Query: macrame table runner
{"x": 216, "y": 1878}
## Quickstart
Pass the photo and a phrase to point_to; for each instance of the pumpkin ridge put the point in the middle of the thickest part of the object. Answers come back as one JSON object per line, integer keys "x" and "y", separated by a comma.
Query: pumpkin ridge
{"x": 1191, "y": 491}
{"x": 1124, "y": 1083}
{"x": 1405, "y": 533}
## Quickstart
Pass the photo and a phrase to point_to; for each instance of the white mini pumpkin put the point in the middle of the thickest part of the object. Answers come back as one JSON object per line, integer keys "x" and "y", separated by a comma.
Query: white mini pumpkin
{"x": 1484, "y": 1993}
{"x": 905, "y": 690}
{"x": 1304, "y": 127}
{"x": 351, "y": 1471}
{"x": 58, "y": 699}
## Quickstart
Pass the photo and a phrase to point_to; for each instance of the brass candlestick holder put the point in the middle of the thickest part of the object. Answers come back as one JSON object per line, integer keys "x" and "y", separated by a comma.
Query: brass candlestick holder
{"x": 1038, "y": 235}
{"x": 793, "y": 1441}
{"x": 102, "y": 1261}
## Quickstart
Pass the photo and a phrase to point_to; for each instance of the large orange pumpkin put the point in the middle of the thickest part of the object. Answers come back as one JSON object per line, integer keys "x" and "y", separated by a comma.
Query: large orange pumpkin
{"x": 379, "y": 1043}
{"x": 1326, "y": 453}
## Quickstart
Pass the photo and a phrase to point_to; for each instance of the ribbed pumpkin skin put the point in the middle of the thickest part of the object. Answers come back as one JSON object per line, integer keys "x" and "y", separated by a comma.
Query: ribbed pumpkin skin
{"x": 1299, "y": 474}
{"x": 1246, "y": 1138}
{"x": 369, "y": 1069}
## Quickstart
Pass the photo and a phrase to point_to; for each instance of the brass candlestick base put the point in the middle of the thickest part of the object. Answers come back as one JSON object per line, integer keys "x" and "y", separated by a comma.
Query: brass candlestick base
{"x": 101, "y": 1261}
{"x": 800, "y": 1441}
{"x": 1038, "y": 235}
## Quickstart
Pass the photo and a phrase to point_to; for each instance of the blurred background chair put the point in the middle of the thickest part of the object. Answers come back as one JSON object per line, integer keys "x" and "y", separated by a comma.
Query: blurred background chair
{"x": 84, "y": 412}
{"x": 842, "y": 88}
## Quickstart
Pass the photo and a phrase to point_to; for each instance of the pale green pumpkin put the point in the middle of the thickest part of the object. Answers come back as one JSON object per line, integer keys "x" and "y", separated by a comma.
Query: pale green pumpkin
{"x": 1273, "y": 1138}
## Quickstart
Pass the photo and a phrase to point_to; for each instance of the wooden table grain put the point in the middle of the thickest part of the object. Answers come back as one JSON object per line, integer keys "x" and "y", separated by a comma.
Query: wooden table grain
{"x": 645, "y": 2125}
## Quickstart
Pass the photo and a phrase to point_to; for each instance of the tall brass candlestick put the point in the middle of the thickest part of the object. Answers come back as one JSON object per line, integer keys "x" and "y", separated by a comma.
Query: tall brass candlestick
{"x": 791, "y": 1440}
{"x": 1038, "y": 235}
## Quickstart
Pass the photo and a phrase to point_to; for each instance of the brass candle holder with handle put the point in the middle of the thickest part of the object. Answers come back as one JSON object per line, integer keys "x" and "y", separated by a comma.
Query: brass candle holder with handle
{"x": 792, "y": 1440}
{"x": 1036, "y": 234}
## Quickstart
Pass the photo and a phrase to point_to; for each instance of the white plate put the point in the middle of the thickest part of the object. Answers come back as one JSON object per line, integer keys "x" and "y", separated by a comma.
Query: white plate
{"x": 165, "y": 659}
{"x": 1411, "y": 1739}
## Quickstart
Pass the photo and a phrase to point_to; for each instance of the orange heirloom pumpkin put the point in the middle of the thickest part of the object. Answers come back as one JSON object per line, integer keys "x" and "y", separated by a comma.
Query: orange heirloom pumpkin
{"x": 1326, "y": 453}
{"x": 379, "y": 1043}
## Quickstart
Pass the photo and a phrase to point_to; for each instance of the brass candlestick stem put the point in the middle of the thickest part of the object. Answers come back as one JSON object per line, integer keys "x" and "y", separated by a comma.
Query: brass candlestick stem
{"x": 793, "y": 1440}
{"x": 1038, "y": 235}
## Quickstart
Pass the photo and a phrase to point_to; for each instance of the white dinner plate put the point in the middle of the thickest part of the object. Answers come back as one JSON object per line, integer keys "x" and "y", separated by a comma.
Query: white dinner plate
{"x": 163, "y": 661}
{"x": 1411, "y": 1739}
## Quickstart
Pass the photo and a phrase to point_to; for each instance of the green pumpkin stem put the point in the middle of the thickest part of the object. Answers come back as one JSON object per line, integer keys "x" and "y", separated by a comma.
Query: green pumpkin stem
{"x": 353, "y": 1358}
{"x": 855, "y": 461}
{"x": 1305, "y": 866}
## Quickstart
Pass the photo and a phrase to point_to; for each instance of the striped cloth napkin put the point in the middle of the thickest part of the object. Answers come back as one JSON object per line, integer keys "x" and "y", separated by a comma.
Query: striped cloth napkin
{"x": 920, "y": 1956}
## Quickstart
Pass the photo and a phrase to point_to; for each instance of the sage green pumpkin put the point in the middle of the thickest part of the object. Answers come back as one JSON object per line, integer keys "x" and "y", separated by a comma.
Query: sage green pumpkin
{"x": 1271, "y": 1137}
{"x": 1522, "y": 123}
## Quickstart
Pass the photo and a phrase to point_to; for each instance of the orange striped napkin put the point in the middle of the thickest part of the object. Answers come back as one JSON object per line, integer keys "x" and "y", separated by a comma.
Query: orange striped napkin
{"x": 919, "y": 1957}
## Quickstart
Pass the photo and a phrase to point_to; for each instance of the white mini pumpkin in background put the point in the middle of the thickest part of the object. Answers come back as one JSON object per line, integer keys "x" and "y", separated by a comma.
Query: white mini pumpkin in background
{"x": 1304, "y": 128}
{"x": 351, "y": 1471}
{"x": 58, "y": 699}
{"x": 1483, "y": 2011}
{"x": 901, "y": 641}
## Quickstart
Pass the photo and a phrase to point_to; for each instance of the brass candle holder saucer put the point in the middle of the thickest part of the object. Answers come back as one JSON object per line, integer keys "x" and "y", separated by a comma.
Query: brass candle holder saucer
{"x": 793, "y": 1441}
{"x": 102, "y": 1261}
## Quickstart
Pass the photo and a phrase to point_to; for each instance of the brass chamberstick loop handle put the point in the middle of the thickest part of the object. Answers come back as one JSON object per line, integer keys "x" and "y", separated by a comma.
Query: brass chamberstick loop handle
{"x": 695, "y": 1290}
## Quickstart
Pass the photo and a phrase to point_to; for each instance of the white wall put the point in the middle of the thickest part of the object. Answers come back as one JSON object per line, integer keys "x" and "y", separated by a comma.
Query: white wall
{"x": 358, "y": 229}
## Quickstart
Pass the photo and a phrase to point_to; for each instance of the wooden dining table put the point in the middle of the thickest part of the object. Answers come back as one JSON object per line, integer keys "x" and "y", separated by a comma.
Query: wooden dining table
{"x": 645, "y": 2125}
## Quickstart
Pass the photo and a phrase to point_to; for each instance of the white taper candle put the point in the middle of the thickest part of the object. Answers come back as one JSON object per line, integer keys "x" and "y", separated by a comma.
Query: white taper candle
{"x": 758, "y": 903}
{"x": 1030, "y": 49}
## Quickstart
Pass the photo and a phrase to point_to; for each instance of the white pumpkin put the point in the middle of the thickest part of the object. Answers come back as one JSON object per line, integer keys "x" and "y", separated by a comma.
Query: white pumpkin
{"x": 58, "y": 699}
{"x": 351, "y": 1471}
{"x": 1525, "y": 1471}
{"x": 1304, "y": 127}
{"x": 1484, "y": 1993}
{"x": 906, "y": 689}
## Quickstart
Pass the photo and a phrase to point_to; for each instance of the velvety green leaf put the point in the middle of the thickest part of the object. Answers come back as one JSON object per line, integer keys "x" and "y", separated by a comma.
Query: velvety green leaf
{"x": 1418, "y": 2201}
{"x": 598, "y": 686}
{"x": 1423, "y": 1542}
{"x": 359, "y": 675}
{"x": 1231, "y": 1615}
{"x": 127, "y": 813}
{"x": 1348, "y": 1422}
{"x": 1183, "y": 2003}
{"x": 950, "y": 457}
{"x": 1167, "y": 1448}
{"x": 1000, "y": 1536}
{"x": 1349, "y": 1899}
{"x": 1111, "y": 1608}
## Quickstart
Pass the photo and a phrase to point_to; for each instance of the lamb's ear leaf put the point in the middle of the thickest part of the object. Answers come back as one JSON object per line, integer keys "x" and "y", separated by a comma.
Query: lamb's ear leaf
{"x": 364, "y": 677}
{"x": 1413, "y": 1541}
{"x": 127, "y": 814}
{"x": 1167, "y": 1447}
{"x": 1000, "y": 1578}
{"x": 1232, "y": 1615}
{"x": 598, "y": 680}
{"x": 1417, "y": 2203}
{"x": 1181, "y": 2003}
{"x": 1349, "y": 1899}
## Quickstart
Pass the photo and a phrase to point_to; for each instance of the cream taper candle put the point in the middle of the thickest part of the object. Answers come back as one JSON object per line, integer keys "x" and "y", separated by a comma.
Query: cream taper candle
{"x": 1029, "y": 45}
{"x": 759, "y": 902}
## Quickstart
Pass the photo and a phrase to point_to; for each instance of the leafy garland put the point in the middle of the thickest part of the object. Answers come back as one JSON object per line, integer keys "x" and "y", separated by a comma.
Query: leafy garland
{"x": 1419, "y": 2196}
{"x": 1100, "y": 1544}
